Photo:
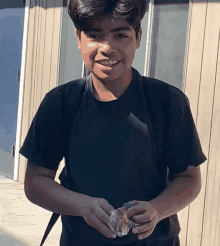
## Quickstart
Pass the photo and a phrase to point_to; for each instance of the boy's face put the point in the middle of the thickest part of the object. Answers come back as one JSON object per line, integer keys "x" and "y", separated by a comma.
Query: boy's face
{"x": 103, "y": 44}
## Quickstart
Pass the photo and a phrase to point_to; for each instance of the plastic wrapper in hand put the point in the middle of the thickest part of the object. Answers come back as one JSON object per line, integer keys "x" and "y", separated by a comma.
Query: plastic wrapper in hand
{"x": 119, "y": 221}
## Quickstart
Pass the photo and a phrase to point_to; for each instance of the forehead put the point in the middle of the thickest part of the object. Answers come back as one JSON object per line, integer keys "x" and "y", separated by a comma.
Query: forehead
{"x": 109, "y": 23}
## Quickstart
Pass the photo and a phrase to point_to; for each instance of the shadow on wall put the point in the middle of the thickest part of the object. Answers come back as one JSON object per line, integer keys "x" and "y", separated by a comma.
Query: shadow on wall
{"x": 7, "y": 239}
{"x": 7, "y": 164}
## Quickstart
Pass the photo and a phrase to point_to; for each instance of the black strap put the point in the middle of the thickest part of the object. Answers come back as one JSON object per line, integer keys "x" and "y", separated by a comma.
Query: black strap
{"x": 51, "y": 223}
{"x": 78, "y": 92}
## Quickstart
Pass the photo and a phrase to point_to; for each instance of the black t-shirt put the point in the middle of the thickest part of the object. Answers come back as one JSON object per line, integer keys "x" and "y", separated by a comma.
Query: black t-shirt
{"x": 111, "y": 153}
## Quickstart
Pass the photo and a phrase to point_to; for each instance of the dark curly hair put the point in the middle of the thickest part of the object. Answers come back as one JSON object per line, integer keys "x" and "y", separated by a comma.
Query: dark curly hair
{"x": 84, "y": 12}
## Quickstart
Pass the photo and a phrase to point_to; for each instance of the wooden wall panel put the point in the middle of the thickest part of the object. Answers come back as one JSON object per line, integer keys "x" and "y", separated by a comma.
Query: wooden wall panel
{"x": 215, "y": 149}
{"x": 49, "y": 22}
{"x": 27, "y": 89}
{"x": 208, "y": 74}
{"x": 192, "y": 84}
{"x": 40, "y": 51}
{"x": 58, "y": 13}
{"x": 55, "y": 56}
{"x": 209, "y": 82}
{"x": 200, "y": 88}
{"x": 41, "y": 68}
{"x": 35, "y": 61}
{"x": 195, "y": 52}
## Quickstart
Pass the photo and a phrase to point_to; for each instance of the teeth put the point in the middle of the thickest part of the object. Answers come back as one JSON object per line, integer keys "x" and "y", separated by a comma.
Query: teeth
{"x": 108, "y": 62}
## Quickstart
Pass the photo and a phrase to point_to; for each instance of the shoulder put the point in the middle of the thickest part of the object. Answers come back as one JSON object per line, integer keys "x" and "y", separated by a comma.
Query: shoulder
{"x": 53, "y": 102}
{"x": 161, "y": 90}
{"x": 66, "y": 88}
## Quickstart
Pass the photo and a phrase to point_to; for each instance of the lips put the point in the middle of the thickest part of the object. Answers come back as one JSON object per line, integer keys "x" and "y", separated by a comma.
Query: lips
{"x": 109, "y": 65}
{"x": 108, "y": 60}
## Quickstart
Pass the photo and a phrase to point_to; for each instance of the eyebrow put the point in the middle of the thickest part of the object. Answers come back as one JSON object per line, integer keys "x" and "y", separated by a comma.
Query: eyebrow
{"x": 123, "y": 28}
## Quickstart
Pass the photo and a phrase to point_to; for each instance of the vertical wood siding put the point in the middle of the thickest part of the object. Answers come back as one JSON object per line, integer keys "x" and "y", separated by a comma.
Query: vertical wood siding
{"x": 207, "y": 108}
{"x": 192, "y": 214}
{"x": 199, "y": 221}
{"x": 215, "y": 155}
{"x": 41, "y": 69}
{"x": 27, "y": 89}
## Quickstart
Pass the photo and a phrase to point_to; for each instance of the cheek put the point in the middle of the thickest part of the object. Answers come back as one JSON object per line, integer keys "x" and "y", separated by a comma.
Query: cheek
{"x": 89, "y": 52}
{"x": 129, "y": 48}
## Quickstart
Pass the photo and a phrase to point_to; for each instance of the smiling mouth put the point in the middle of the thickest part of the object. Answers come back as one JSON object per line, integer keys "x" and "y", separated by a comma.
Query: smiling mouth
{"x": 109, "y": 65}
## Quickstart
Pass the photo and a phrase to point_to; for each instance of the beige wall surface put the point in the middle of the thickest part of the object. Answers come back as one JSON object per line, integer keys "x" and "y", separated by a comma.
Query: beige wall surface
{"x": 200, "y": 220}
{"x": 42, "y": 59}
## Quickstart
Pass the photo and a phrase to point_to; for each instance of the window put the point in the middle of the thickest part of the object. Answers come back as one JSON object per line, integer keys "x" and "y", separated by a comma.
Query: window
{"x": 168, "y": 41}
{"x": 71, "y": 63}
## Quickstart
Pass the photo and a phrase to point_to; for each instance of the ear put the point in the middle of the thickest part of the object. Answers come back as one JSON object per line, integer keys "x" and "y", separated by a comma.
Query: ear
{"x": 78, "y": 41}
{"x": 139, "y": 38}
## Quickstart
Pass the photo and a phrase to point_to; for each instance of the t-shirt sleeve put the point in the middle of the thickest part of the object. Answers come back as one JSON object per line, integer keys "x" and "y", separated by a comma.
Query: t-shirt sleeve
{"x": 184, "y": 147}
{"x": 43, "y": 143}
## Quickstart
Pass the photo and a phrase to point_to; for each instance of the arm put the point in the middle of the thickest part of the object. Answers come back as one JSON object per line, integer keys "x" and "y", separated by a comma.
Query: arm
{"x": 184, "y": 188}
{"x": 42, "y": 190}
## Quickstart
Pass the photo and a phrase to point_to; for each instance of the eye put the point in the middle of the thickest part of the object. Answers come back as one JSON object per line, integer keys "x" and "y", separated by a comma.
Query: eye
{"x": 124, "y": 36}
{"x": 93, "y": 36}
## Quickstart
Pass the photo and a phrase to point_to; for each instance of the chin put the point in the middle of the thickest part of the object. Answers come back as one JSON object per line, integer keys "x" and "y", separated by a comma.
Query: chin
{"x": 108, "y": 75}
{"x": 101, "y": 76}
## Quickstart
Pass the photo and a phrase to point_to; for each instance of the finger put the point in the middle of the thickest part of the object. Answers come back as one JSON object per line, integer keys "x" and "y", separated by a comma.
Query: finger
{"x": 145, "y": 235}
{"x": 101, "y": 227}
{"x": 134, "y": 202}
{"x": 135, "y": 211}
{"x": 127, "y": 205}
{"x": 145, "y": 218}
{"x": 106, "y": 206}
{"x": 104, "y": 217}
{"x": 144, "y": 227}
{"x": 102, "y": 214}
{"x": 131, "y": 211}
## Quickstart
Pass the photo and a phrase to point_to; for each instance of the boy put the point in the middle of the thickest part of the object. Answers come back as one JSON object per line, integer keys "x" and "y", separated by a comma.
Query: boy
{"x": 115, "y": 153}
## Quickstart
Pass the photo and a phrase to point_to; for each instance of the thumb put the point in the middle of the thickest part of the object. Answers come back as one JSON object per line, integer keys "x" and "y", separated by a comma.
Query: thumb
{"x": 134, "y": 202}
{"x": 132, "y": 210}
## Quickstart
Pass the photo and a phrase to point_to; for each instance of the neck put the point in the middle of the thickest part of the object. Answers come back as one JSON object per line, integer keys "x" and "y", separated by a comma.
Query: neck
{"x": 111, "y": 90}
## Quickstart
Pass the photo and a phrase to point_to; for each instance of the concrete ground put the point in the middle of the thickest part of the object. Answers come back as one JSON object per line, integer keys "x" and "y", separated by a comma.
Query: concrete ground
{"x": 22, "y": 222}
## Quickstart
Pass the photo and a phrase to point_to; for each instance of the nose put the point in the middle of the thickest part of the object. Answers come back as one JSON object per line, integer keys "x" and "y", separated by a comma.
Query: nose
{"x": 108, "y": 47}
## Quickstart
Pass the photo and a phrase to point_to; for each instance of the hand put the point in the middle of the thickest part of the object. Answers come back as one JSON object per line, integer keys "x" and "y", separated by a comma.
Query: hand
{"x": 146, "y": 215}
{"x": 120, "y": 223}
{"x": 96, "y": 213}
